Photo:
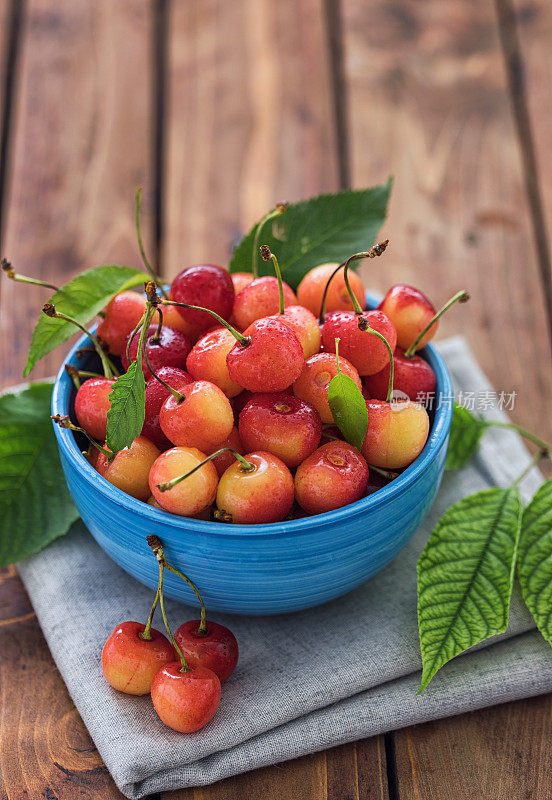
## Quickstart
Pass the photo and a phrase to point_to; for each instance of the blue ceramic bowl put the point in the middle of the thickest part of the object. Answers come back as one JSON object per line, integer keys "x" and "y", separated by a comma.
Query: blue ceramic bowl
{"x": 259, "y": 569}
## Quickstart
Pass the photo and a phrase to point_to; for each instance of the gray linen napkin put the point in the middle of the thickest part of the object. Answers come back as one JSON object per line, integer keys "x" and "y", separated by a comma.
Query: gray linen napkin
{"x": 305, "y": 681}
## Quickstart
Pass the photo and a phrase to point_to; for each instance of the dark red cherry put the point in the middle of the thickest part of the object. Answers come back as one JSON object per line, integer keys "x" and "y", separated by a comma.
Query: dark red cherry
{"x": 205, "y": 285}
{"x": 170, "y": 351}
{"x": 413, "y": 377}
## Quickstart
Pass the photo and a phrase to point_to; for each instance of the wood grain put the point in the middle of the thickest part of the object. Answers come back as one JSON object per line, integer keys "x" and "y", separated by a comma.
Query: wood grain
{"x": 249, "y": 120}
{"x": 81, "y": 145}
{"x": 501, "y": 753}
{"x": 428, "y": 102}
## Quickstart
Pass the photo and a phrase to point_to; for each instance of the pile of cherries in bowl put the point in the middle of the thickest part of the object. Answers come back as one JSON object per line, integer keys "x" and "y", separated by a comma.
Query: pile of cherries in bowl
{"x": 238, "y": 427}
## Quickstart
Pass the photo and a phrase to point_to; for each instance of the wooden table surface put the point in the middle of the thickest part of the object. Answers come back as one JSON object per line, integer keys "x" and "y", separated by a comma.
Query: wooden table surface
{"x": 220, "y": 109}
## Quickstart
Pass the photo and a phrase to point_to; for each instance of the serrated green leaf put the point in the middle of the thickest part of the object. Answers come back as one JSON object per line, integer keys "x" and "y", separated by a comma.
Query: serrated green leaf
{"x": 329, "y": 227}
{"x": 81, "y": 298}
{"x": 465, "y": 433}
{"x": 465, "y": 576}
{"x": 348, "y": 408}
{"x": 35, "y": 504}
{"x": 126, "y": 414}
{"x": 535, "y": 559}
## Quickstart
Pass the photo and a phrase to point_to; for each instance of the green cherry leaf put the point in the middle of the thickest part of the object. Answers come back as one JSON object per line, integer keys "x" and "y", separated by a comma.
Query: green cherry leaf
{"x": 35, "y": 504}
{"x": 81, "y": 298}
{"x": 465, "y": 576}
{"x": 465, "y": 433}
{"x": 535, "y": 559}
{"x": 348, "y": 408}
{"x": 325, "y": 228}
{"x": 126, "y": 415}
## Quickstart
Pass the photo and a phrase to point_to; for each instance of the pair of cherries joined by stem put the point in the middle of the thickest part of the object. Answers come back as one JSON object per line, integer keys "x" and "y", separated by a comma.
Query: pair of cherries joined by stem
{"x": 183, "y": 672}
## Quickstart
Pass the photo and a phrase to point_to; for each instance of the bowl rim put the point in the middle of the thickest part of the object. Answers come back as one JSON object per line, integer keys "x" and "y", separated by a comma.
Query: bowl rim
{"x": 436, "y": 438}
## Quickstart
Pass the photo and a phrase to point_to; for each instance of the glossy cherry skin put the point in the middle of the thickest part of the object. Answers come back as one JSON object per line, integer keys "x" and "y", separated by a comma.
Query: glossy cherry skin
{"x": 122, "y": 314}
{"x": 410, "y": 311}
{"x": 263, "y": 495}
{"x": 227, "y": 458}
{"x": 203, "y": 419}
{"x": 205, "y": 285}
{"x": 129, "y": 469}
{"x": 207, "y": 360}
{"x": 170, "y": 351}
{"x": 312, "y": 384}
{"x": 258, "y": 299}
{"x": 396, "y": 433}
{"x": 173, "y": 319}
{"x": 333, "y": 476}
{"x": 281, "y": 424}
{"x": 241, "y": 280}
{"x": 185, "y": 701}
{"x": 92, "y": 404}
{"x": 217, "y": 649}
{"x": 304, "y": 325}
{"x": 192, "y": 495}
{"x": 362, "y": 349}
{"x": 413, "y": 378}
{"x": 130, "y": 663}
{"x": 156, "y": 394}
{"x": 271, "y": 362}
{"x": 311, "y": 290}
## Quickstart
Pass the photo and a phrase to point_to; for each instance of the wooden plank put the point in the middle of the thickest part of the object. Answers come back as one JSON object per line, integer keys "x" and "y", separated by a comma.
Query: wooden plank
{"x": 81, "y": 145}
{"x": 249, "y": 120}
{"x": 501, "y": 753}
{"x": 428, "y": 102}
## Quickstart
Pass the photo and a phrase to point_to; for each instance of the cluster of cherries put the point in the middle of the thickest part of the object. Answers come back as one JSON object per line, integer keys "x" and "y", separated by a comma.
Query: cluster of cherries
{"x": 238, "y": 425}
{"x": 184, "y": 672}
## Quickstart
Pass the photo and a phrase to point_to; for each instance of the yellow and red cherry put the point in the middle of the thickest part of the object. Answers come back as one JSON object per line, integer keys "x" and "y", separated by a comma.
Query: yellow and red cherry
{"x": 410, "y": 311}
{"x": 172, "y": 318}
{"x": 366, "y": 353}
{"x": 281, "y": 424}
{"x": 156, "y": 394}
{"x": 304, "y": 325}
{"x": 189, "y": 497}
{"x": 185, "y": 700}
{"x": 206, "y": 285}
{"x": 260, "y": 493}
{"x": 311, "y": 290}
{"x": 260, "y": 298}
{"x": 413, "y": 378}
{"x": 164, "y": 348}
{"x": 129, "y": 469}
{"x": 333, "y": 476}
{"x": 226, "y": 458}
{"x": 92, "y": 404}
{"x": 312, "y": 384}
{"x": 241, "y": 280}
{"x": 271, "y": 360}
{"x": 122, "y": 314}
{"x": 214, "y": 647}
{"x": 396, "y": 435}
{"x": 130, "y": 661}
{"x": 201, "y": 417}
{"x": 207, "y": 360}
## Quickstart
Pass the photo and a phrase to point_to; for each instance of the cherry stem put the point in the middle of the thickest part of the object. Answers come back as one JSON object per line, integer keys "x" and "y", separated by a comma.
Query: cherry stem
{"x": 109, "y": 370}
{"x": 137, "y": 203}
{"x": 374, "y": 251}
{"x": 267, "y": 256}
{"x": 246, "y": 466}
{"x": 14, "y": 276}
{"x": 74, "y": 375}
{"x": 364, "y": 325}
{"x": 511, "y": 426}
{"x": 385, "y": 473}
{"x": 132, "y": 335}
{"x": 533, "y": 463}
{"x": 461, "y": 297}
{"x": 144, "y": 324}
{"x": 155, "y": 545}
{"x": 244, "y": 341}
{"x": 275, "y": 212}
{"x": 337, "y": 354}
{"x": 157, "y": 335}
{"x": 146, "y": 633}
{"x": 65, "y": 422}
{"x": 202, "y": 630}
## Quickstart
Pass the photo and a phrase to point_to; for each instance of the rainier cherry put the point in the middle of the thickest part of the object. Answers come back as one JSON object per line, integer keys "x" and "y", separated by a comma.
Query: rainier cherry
{"x": 241, "y": 280}
{"x": 410, "y": 311}
{"x": 201, "y": 417}
{"x": 207, "y": 360}
{"x": 396, "y": 435}
{"x": 259, "y": 491}
{"x": 204, "y": 285}
{"x": 92, "y": 404}
{"x": 333, "y": 476}
{"x": 364, "y": 352}
{"x": 283, "y": 425}
{"x": 172, "y": 318}
{"x": 312, "y": 384}
{"x": 129, "y": 469}
{"x": 156, "y": 394}
{"x": 260, "y": 299}
{"x": 188, "y": 497}
{"x": 165, "y": 348}
{"x": 304, "y": 325}
{"x": 228, "y": 447}
{"x": 311, "y": 290}
{"x": 122, "y": 314}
